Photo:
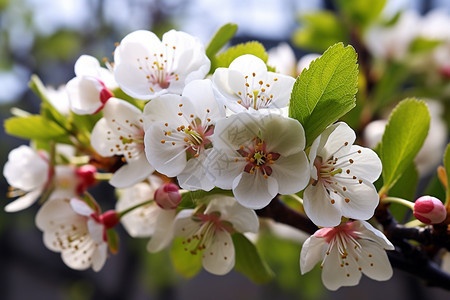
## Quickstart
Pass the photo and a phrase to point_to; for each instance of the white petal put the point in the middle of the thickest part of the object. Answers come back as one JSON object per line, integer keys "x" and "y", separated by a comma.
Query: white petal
{"x": 281, "y": 89}
{"x": 334, "y": 139}
{"x": 99, "y": 257}
{"x": 374, "y": 261}
{"x": 363, "y": 201}
{"x": 87, "y": 65}
{"x": 184, "y": 226}
{"x": 366, "y": 163}
{"x": 96, "y": 230}
{"x": 283, "y": 135}
{"x": 221, "y": 167}
{"x": 81, "y": 207}
{"x": 164, "y": 231}
{"x": 219, "y": 258}
{"x": 369, "y": 232}
{"x": 25, "y": 169}
{"x": 318, "y": 207}
{"x": 166, "y": 158}
{"x": 248, "y": 64}
{"x": 253, "y": 190}
{"x": 242, "y": 218}
{"x": 193, "y": 177}
{"x": 313, "y": 251}
{"x": 84, "y": 94}
{"x": 291, "y": 173}
{"x": 337, "y": 273}
{"x": 131, "y": 173}
{"x": 23, "y": 202}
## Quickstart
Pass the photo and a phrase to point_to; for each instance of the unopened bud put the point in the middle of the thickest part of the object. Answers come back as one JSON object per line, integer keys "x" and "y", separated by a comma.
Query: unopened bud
{"x": 429, "y": 210}
{"x": 109, "y": 219}
{"x": 168, "y": 196}
{"x": 86, "y": 176}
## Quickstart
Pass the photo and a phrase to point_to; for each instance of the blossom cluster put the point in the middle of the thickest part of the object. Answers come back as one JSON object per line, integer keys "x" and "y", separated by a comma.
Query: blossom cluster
{"x": 177, "y": 130}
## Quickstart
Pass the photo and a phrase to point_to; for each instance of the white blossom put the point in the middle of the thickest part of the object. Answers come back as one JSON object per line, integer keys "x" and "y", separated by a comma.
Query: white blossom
{"x": 120, "y": 132}
{"x": 258, "y": 156}
{"x": 246, "y": 85}
{"x": 89, "y": 90}
{"x": 70, "y": 227}
{"x": 342, "y": 175}
{"x": 347, "y": 251}
{"x": 207, "y": 230}
{"x": 178, "y": 130}
{"x": 146, "y": 67}
{"x": 148, "y": 220}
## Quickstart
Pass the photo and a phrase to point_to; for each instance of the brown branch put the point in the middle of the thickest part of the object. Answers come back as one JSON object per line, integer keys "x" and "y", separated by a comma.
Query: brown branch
{"x": 280, "y": 212}
{"x": 414, "y": 259}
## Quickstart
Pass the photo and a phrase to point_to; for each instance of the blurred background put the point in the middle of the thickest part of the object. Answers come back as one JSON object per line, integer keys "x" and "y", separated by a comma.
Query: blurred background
{"x": 45, "y": 37}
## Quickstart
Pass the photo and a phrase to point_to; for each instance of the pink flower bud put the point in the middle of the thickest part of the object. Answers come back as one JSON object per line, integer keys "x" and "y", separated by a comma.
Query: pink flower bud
{"x": 109, "y": 219}
{"x": 86, "y": 176}
{"x": 429, "y": 210}
{"x": 168, "y": 196}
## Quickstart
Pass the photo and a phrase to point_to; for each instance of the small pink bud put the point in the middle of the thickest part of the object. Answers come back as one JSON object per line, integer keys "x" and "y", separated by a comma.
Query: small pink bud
{"x": 168, "y": 196}
{"x": 429, "y": 210}
{"x": 109, "y": 219}
{"x": 86, "y": 176}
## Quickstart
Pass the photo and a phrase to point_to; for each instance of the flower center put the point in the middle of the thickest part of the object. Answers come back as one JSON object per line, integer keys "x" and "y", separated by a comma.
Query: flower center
{"x": 159, "y": 68}
{"x": 258, "y": 158}
{"x": 194, "y": 137}
{"x": 129, "y": 137}
{"x": 204, "y": 236}
{"x": 256, "y": 93}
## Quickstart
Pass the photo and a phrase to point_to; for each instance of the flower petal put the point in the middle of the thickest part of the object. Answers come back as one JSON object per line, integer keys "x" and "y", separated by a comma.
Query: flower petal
{"x": 334, "y": 138}
{"x": 81, "y": 207}
{"x": 362, "y": 200}
{"x": 164, "y": 232}
{"x": 24, "y": 202}
{"x": 131, "y": 173}
{"x": 291, "y": 173}
{"x": 366, "y": 163}
{"x": 337, "y": 272}
{"x": 313, "y": 251}
{"x": 193, "y": 177}
{"x": 219, "y": 258}
{"x": 374, "y": 261}
{"x": 318, "y": 207}
{"x": 283, "y": 135}
{"x": 253, "y": 190}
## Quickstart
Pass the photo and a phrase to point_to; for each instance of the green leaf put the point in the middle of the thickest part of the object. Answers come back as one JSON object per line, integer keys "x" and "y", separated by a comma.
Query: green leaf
{"x": 319, "y": 31}
{"x": 326, "y": 91}
{"x": 220, "y": 38}
{"x": 35, "y": 127}
{"x": 224, "y": 59}
{"x": 113, "y": 240}
{"x": 248, "y": 261}
{"x": 421, "y": 44}
{"x": 447, "y": 170}
{"x": 361, "y": 13}
{"x": 404, "y": 136}
{"x": 184, "y": 262}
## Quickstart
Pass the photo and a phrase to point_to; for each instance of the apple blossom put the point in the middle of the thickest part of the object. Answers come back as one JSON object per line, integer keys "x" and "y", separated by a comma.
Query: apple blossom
{"x": 178, "y": 131}
{"x": 146, "y": 67}
{"x": 246, "y": 85}
{"x": 91, "y": 87}
{"x": 74, "y": 229}
{"x": 208, "y": 229}
{"x": 149, "y": 220}
{"x": 120, "y": 132}
{"x": 258, "y": 156}
{"x": 282, "y": 57}
{"x": 342, "y": 176}
{"x": 27, "y": 172}
{"x": 347, "y": 250}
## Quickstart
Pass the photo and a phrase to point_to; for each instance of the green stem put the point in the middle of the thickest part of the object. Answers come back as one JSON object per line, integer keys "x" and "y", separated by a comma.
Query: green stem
{"x": 124, "y": 212}
{"x": 295, "y": 198}
{"x": 103, "y": 176}
{"x": 401, "y": 201}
